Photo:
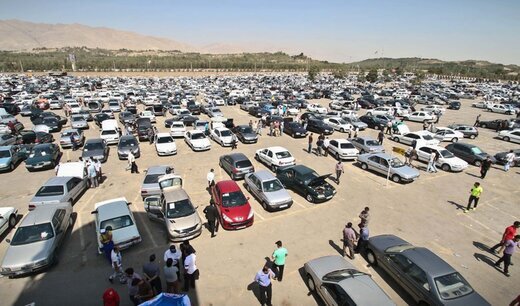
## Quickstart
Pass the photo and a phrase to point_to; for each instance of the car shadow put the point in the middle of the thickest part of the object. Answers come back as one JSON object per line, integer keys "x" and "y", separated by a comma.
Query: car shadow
{"x": 461, "y": 207}
{"x": 336, "y": 247}
{"x": 407, "y": 298}
{"x": 316, "y": 297}
{"x": 9, "y": 229}
{"x": 485, "y": 258}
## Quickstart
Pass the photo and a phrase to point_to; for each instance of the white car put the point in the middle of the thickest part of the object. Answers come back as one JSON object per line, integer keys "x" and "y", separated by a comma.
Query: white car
{"x": 447, "y": 134}
{"x": 447, "y": 161}
{"x": 222, "y": 136}
{"x": 421, "y": 116}
{"x": 78, "y": 122}
{"x": 55, "y": 104}
{"x": 292, "y": 110}
{"x": 219, "y": 102}
{"x": 74, "y": 107}
{"x": 147, "y": 114}
{"x": 116, "y": 214}
{"x": 150, "y": 101}
{"x": 512, "y": 135}
{"x": 382, "y": 110}
{"x": 316, "y": 108}
{"x": 434, "y": 109}
{"x": 421, "y": 137}
{"x": 501, "y": 108}
{"x": 165, "y": 144}
{"x": 215, "y": 112}
{"x": 7, "y": 218}
{"x": 177, "y": 129}
{"x": 342, "y": 149}
{"x": 338, "y": 124}
{"x": 275, "y": 157}
{"x": 481, "y": 104}
{"x": 336, "y": 105}
{"x": 197, "y": 140}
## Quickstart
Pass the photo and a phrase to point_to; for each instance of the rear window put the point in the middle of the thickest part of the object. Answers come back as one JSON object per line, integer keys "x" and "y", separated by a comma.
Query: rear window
{"x": 165, "y": 139}
{"x": 283, "y": 154}
{"x": 108, "y": 132}
{"x": 152, "y": 178}
{"x": 346, "y": 145}
{"x": 118, "y": 222}
{"x": 243, "y": 164}
{"x": 452, "y": 286}
{"x": 48, "y": 191}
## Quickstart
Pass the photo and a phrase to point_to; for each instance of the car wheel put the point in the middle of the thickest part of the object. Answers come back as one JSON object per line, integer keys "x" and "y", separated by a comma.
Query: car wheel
{"x": 445, "y": 167}
{"x": 477, "y": 163}
{"x": 472, "y": 136}
{"x": 454, "y": 139}
{"x": 273, "y": 168}
{"x": 310, "y": 283}
{"x": 371, "y": 258}
{"x": 506, "y": 138}
{"x": 483, "y": 125}
{"x": 396, "y": 139}
{"x": 337, "y": 156}
{"x": 364, "y": 166}
{"x": 396, "y": 178}
{"x": 12, "y": 221}
{"x": 11, "y": 167}
{"x": 309, "y": 198}
{"x": 293, "y": 135}
{"x": 342, "y": 130}
{"x": 265, "y": 206}
{"x": 256, "y": 157}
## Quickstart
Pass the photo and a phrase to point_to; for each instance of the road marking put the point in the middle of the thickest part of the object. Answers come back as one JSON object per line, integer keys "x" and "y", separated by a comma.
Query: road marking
{"x": 259, "y": 215}
{"x": 80, "y": 228}
{"x": 500, "y": 210}
{"x": 87, "y": 207}
{"x": 297, "y": 203}
{"x": 293, "y": 212}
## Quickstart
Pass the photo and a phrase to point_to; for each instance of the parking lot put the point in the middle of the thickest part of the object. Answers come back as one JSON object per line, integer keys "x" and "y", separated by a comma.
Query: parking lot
{"x": 427, "y": 212}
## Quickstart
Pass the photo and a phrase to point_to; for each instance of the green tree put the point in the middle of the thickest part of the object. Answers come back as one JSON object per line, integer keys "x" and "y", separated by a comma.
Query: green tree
{"x": 339, "y": 73}
{"x": 372, "y": 75}
{"x": 313, "y": 72}
{"x": 399, "y": 71}
{"x": 361, "y": 76}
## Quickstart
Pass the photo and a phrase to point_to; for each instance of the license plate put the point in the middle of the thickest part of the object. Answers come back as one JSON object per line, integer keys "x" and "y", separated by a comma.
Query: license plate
{"x": 283, "y": 206}
{"x": 329, "y": 197}
{"x": 241, "y": 227}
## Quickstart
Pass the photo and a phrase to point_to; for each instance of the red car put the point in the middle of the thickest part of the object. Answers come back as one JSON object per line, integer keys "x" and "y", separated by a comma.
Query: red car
{"x": 234, "y": 209}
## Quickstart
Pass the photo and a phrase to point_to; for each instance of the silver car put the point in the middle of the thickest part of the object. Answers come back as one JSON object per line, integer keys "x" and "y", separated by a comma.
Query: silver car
{"x": 37, "y": 239}
{"x": 367, "y": 145}
{"x": 78, "y": 122}
{"x": 150, "y": 186}
{"x": 338, "y": 282}
{"x": 126, "y": 144}
{"x": 59, "y": 190}
{"x": 268, "y": 190}
{"x": 65, "y": 138}
{"x": 387, "y": 164}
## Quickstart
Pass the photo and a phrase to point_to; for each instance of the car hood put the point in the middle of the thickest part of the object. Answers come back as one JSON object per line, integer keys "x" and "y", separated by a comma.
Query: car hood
{"x": 96, "y": 152}
{"x": 200, "y": 142}
{"x": 407, "y": 171}
{"x": 249, "y": 135}
{"x": 128, "y": 149}
{"x": 278, "y": 196}
{"x": 300, "y": 130}
{"x": 237, "y": 213}
{"x": 18, "y": 256}
{"x": 183, "y": 222}
{"x": 5, "y": 160}
{"x": 318, "y": 180}
{"x": 164, "y": 146}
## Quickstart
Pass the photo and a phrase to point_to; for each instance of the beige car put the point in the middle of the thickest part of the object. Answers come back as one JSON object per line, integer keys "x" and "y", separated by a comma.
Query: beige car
{"x": 175, "y": 209}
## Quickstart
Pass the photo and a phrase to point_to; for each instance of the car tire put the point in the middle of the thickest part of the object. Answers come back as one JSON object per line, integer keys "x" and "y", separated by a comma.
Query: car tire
{"x": 310, "y": 283}
{"x": 265, "y": 206}
{"x": 293, "y": 135}
{"x": 472, "y": 136}
{"x": 396, "y": 139}
{"x": 445, "y": 167}
{"x": 396, "y": 178}
{"x": 454, "y": 139}
{"x": 337, "y": 156}
{"x": 364, "y": 166}
{"x": 477, "y": 163}
{"x": 273, "y": 168}
{"x": 257, "y": 158}
{"x": 342, "y": 130}
{"x": 309, "y": 198}
{"x": 12, "y": 221}
{"x": 507, "y": 139}
{"x": 11, "y": 167}
{"x": 371, "y": 258}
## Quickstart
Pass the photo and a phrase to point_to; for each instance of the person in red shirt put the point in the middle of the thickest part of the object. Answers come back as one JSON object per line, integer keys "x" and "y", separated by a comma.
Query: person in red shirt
{"x": 110, "y": 297}
{"x": 509, "y": 234}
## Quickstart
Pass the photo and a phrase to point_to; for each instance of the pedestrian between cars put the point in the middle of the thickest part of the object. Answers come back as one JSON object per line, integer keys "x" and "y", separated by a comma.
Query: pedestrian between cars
{"x": 510, "y": 248}
{"x": 365, "y": 216}
{"x": 432, "y": 159}
{"x": 362, "y": 243}
{"x": 211, "y": 214}
{"x": 279, "y": 256}
{"x": 263, "y": 278}
{"x": 319, "y": 146}
{"x": 132, "y": 164}
{"x": 380, "y": 137}
{"x": 349, "y": 240}
{"x": 474, "y": 197}
{"x": 117, "y": 265}
{"x": 259, "y": 126}
{"x": 92, "y": 174}
{"x": 175, "y": 255}
{"x": 326, "y": 143}
{"x": 309, "y": 147}
{"x": 509, "y": 233}
{"x": 107, "y": 243}
{"x": 171, "y": 276}
{"x": 211, "y": 178}
{"x": 477, "y": 121}
{"x": 388, "y": 128}
{"x": 97, "y": 164}
{"x": 234, "y": 142}
{"x": 133, "y": 288}
{"x": 339, "y": 170}
{"x": 191, "y": 271}
{"x": 152, "y": 274}
{"x": 485, "y": 166}
{"x": 510, "y": 159}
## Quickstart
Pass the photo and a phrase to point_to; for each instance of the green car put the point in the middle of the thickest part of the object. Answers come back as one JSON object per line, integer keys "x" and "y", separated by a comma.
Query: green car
{"x": 306, "y": 182}
{"x": 43, "y": 156}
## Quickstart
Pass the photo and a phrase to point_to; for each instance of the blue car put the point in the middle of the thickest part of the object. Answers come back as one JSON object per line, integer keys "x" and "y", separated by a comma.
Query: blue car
{"x": 9, "y": 158}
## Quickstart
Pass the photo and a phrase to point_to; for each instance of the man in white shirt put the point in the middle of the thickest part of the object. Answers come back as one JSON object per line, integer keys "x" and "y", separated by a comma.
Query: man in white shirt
{"x": 191, "y": 271}
{"x": 131, "y": 161}
{"x": 115, "y": 258}
{"x": 175, "y": 255}
{"x": 510, "y": 158}
{"x": 211, "y": 178}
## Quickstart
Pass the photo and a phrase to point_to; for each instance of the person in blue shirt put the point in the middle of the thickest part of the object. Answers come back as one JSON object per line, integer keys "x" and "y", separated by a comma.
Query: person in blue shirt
{"x": 263, "y": 278}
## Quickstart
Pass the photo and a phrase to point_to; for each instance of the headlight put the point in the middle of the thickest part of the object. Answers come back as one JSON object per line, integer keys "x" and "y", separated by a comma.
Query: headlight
{"x": 226, "y": 218}
{"x": 321, "y": 196}
{"x": 40, "y": 263}
{"x": 3, "y": 165}
{"x": 6, "y": 269}
{"x": 46, "y": 162}
{"x": 251, "y": 213}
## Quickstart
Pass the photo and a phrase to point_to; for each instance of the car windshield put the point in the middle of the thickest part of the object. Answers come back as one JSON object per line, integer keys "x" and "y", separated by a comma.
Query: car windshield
{"x": 225, "y": 133}
{"x": 117, "y": 223}
{"x": 446, "y": 154}
{"x": 50, "y": 120}
{"x": 152, "y": 178}
{"x": 476, "y": 150}
{"x": 233, "y": 199}
{"x": 452, "y": 286}
{"x": 283, "y": 154}
{"x": 90, "y": 146}
{"x": 396, "y": 163}
{"x": 346, "y": 145}
{"x": 246, "y": 130}
{"x": 427, "y": 137}
{"x": 272, "y": 185}
{"x": 32, "y": 233}
{"x": 48, "y": 191}
{"x": 179, "y": 209}
{"x": 5, "y": 153}
{"x": 339, "y": 275}
{"x": 198, "y": 136}
{"x": 77, "y": 118}
{"x": 108, "y": 132}
{"x": 41, "y": 152}
{"x": 165, "y": 139}
{"x": 128, "y": 142}
{"x": 372, "y": 143}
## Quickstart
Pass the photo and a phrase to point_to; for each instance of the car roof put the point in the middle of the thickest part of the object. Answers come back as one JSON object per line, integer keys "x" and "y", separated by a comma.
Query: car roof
{"x": 428, "y": 261}
{"x": 41, "y": 214}
{"x": 469, "y": 145}
{"x": 163, "y": 135}
{"x": 157, "y": 169}
{"x": 175, "y": 195}
{"x": 301, "y": 169}
{"x": 264, "y": 175}
{"x": 228, "y": 186}
{"x": 382, "y": 155}
{"x": 277, "y": 149}
{"x": 113, "y": 206}
{"x": 222, "y": 129}
{"x": 237, "y": 156}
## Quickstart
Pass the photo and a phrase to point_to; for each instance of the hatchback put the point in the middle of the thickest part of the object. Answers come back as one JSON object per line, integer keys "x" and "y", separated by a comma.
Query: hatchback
{"x": 237, "y": 165}
{"x": 234, "y": 209}
{"x": 268, "y": 190}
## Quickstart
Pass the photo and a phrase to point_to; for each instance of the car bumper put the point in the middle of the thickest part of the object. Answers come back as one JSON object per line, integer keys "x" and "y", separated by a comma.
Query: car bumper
{"x": 25, "y": 271}
{"x": 166, "y": 153}
{"x": 250, "y": 140}
{"x": 185, "y": 236}
{"x": 282, "y": 205}
{"x": 237, "y": 225}
{"x": 127, "y": 244}
{"x": 201, "y": 148}
{"x": 325, "y": 199}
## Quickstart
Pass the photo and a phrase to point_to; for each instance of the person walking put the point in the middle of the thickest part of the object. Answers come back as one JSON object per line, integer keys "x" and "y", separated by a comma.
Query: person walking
{"x": 133, "y": 165}
{"x": 339, "y": 170}
{"x": 211, "y": 178}
{"x": 438, "y": 117}
{"x": 279, "y": 256}
{"x": 356, "y": 130}
{"x": 365, "y": 215}
{"x": 475, "y": 191}
{"x": 133, "y": 288}
{"x": 190, "y": 266}
{"x": 212, "y": 215}
{"x": 326, "y": 144}
{"x": 171, "y": 275}
{"x": 259, "y": 127}
{"x": 407, "y": 154}
{"x": 92, "y": 175}
{"x": 319, "y": 147}
{"x": 251, "y": 123}
{"x": 97, "y": 164}
{"x": 175, "y": 255}
{"x": 510, "y": 248}
{"x": 388, "y": 128}
{"x": 510, "y": 159}
{"x": 485, "y": 166}
{"x": 281, "y": 127}
{"x": 117, "y": 265}
{"x": 380, "y": 137}
{"x": 477, "y": 121}
{"x": 271, "y": 128}
{"x": 309, "y": 147}
{"x": 263, "y": 278}
{"x": 413, "y": 155}
{"x": 152, "y": 274}
{"x": 431, "y": 163}
{"x": 234, "y": 143}
{"x": 362, "y": 243}
{"x": 107, "y": 243}
{"x": 349, "y": 240}
{"x": 509, "y": 233}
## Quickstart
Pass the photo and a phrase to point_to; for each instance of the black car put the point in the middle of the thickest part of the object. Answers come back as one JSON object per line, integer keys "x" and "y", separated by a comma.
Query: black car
{"x": 469, "y": 152}
{"x": 501, "y": 158}
{"x": 454, "y": 105}
{"x": 245, "y": 134}
{"x": 43, "y": 156}
{"x": 98, "y": 118}
{"x": 320, "y": 127}
{"x": 193, "y": 108}
{"x": 308, "y": 115}
{"x": 294, "y": 129}
{"x": 143, "y": 126}
{"x": 255, "y": 111}
{"x": 132, "y": 109}
{"x": 188, "y": 120}
{"x": 52, "y": 123}
{"x": 126, "y": 117}
{"x": 157, "y": 109}
{"x": 272, "y": 118}
{"x": 373, "y": 122}
{"x": 365, "y": 104}
{"x": 499, "y": 124}
{"x": 306, "y": 182}
{"x": 10, "y": 108}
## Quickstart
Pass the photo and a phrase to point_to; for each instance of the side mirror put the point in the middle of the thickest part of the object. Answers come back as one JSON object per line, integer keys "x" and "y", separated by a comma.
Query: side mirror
{"x": 8, "y": 240}
{"x": 94, "y": 212}
{"x": 128, "y": 203}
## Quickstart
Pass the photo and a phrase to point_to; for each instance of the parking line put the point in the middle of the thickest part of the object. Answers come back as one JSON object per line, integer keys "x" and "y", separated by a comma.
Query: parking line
{"x": 87, "y": 207}
{"x": 147, "y": 229}
{"x": 297, "y": 203}
{"x": 80, "y": 228}
{"x": 259, "y": 215}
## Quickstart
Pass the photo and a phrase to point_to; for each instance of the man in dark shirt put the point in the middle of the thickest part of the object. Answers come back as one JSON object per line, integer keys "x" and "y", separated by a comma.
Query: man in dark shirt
{"x": 211, "y": 213}
{"x": 144, "y": 290}
{"x": 152, "y": 274}
{"x": 484, "y": 167}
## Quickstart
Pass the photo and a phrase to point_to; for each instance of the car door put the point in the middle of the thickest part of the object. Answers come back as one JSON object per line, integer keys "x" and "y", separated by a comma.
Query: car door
{"x": 424, "y": 153}
{"x": 287, "y": 178}
{"x": 58, "y": 225}
{"x": 154, "y": 207}
{"x": 256, "y": 188}
{"x": 515, "y": 136}
{"x": 228, "y": 164}
{"x": 270, "y": 157}
{"x": 333, "y": 294}
{"x": 75, "y": 187}
{"x": 373, "y": 162}
{"x": 333, "y": 146}
{"x": 409, "y": 138}
{"x": 417, "y": 282}
{"x": 397, "y": 265}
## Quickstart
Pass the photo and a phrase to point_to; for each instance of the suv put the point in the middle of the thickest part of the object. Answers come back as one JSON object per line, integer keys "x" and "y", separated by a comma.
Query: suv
{"x": 469, "y": 152}
{"x": 175, "y": 209}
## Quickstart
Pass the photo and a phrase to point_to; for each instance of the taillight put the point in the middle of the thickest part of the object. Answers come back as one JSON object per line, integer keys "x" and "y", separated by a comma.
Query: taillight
{"x": 32, "y": 207}
{"x": 235, "y": 170}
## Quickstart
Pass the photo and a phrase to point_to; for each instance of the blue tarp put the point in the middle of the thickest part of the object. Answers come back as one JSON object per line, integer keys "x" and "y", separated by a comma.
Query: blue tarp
{"x": 168, "y": 299}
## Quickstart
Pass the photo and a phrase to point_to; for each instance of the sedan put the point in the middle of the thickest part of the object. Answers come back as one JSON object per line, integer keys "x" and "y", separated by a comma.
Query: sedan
{"x": 215, "y": 112}
{"x": 9, "y": 157}
{"x": 197, "y": 140}
{"x": 447, "y": 134}
{"x": 275, "y": 157}
{"x": 268, "y": 190}
{"x": 222, "y": 136}
{"x": 245, "y": 134}
{"x": 468, "y": 131}
{"x": 177, "y": 129}
{"x": 237, "y": 165}
{"x": 306, "y": 182}
{"x": 294, "y": 129}
{"x": 95, "y": 148}
{"x": 116, "y": 214}
{"x": 319, "y": 127}
{"x": 425, "y": 276}
{"x": 128, "y": 143}
{"x": 98, "y": 118}
{"x": 338, "y": 282}
{"x": 420, "y": 137}
{"x": 78, "y": 122}
{"x": 388, "y": 165}
{"x": 338, "y": 124}
{"x": 512, "y": 136}
{"x": 67, "y": 137}
{"x": 446, "y": 161}
{"x": 147, "y": 114}
{"x": 367, "y": 145}
{"x": 126, "y": 117}
{"x": 43, "y": 156}
{"x": 421, "y": 116}
{"x": 373, "y": 122}
{"x": 7, "y": 140}
{"x": 342, "y": 149}
{"x": 187, "y": 119}
{"x": 59, "y": 189}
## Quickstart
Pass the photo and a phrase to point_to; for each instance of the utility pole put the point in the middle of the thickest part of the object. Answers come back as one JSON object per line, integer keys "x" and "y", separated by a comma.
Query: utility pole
{"x": 21, "y": 67}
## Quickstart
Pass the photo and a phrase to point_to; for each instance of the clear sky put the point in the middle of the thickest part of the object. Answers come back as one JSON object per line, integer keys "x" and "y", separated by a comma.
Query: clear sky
{"x": 335, "y": 30}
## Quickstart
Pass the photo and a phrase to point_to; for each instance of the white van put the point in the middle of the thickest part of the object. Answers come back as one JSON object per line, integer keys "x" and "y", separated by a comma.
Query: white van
{"x": 110, "y": 131}
{"x": 75, "y": 169}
